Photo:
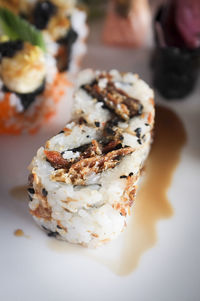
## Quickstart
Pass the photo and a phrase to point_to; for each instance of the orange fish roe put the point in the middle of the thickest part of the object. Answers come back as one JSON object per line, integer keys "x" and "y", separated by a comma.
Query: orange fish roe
{"x": 33, "y": 131}
{"x": 151, "y": 100}
{"x": 5, "y": 110}
{"x": 15, "y": 123}
{"x": 150, "y": 117}
{"x": 55, "y": 91}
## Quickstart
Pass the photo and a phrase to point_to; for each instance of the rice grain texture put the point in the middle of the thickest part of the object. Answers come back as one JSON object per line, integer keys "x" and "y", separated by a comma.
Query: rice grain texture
{"x": 90, "y": 170}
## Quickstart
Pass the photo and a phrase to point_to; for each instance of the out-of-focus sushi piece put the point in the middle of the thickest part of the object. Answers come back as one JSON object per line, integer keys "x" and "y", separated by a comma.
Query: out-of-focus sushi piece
{"x": 16, "y": 6}
{"x": 95, "y": 9}
{"x": 63, "y": 25}
{"x": 127, "y": 23}
{"x": 176, "y": 58}
{"x": 30, "y": 84}
{"x": 83, "y": 183}
{"x": 65, "y": 31}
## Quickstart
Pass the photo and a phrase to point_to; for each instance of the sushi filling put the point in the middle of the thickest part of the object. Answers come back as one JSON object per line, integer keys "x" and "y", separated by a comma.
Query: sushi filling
{"x": 114, "y": 99}
{"x": 76, "y": 166}
{"x": 65, "y": 50}
{"x": 82, "y": 162}
{"x": 23, "y": 70}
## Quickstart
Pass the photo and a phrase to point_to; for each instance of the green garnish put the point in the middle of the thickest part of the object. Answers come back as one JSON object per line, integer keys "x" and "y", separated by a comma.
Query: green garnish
{"x": 17, "y": 28}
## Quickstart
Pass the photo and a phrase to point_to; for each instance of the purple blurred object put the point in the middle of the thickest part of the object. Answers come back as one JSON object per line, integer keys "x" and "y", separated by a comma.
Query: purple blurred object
{"x": 176, "y": 58}
{"x": 180, "y": 21}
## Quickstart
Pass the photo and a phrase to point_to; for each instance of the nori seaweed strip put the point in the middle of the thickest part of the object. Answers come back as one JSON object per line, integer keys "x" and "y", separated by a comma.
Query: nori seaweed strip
{"x": 31, "y": 190}
{"x": 42, "y": 14}
{"x": 67, "y": 43}
{"x": 27, "y": 98}
{"x": 10, "y": 48}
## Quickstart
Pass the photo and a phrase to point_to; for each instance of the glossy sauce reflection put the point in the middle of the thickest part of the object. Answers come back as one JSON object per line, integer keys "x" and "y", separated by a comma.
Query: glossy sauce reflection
{"x": 151, "y": 204}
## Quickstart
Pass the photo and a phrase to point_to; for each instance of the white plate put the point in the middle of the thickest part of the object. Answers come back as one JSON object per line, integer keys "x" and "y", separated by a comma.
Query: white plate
{"x": 35, "y": 267}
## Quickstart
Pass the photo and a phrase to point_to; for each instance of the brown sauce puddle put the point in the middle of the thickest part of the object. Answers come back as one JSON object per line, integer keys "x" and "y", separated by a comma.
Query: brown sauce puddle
{"x": 151, "y": 204}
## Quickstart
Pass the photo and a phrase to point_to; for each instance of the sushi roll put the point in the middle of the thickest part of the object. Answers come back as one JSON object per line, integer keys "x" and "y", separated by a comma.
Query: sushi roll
{"x": 65, "y": 31}
{"x": 83, "y": 183}
{"x": 30, "y": 84}
{"x": 127, "y": 23}
{"x": 63, "y": 26}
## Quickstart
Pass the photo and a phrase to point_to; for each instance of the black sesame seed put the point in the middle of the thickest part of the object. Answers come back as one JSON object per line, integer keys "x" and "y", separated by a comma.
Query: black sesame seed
{"x": 30, "y": 197}
{"x": 115, "y": 121}
{"x": 82, "y": 120}
{"x": 123, "y": 177}
{"x": 88, "y": 136}
{"x": 50, "y": 233}
{"x": 45, "y": 228}
{"x": 139, "y": 141}
{"x": 140, "y": 109}
{"x": 118, "y": 158}
{"x": 143, "y": 136}
{"x": 97, "y": 123}
{"x": 61, "y": 132}
{"x": 53, "y": 234}
{"x": 44, "y": 192}
{"x": 59, "y": 227}
{"x": 131, "y": 174}
{"x": 118, "y": 146}
{"x": 110, "y": 131}
{"x": 31, "y": 190}
{"x": 121, "y": 138}
{"x": 147, "y": 124}
{"x": 138, "y": 132}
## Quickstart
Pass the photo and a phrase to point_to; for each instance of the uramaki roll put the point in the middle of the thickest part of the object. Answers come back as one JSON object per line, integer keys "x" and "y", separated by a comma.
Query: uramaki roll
{"x": 33, "y": 81}
{"x": 63, "y": 25}
{"x": 30, "y": 87}
{"x": 82, "y": 184}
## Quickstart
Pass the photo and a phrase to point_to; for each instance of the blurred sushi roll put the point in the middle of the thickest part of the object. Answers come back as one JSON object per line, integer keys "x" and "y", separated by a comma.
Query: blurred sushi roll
{"x": 63, "y": 25}
{"x": 176, "y": 59}
{"x": 30, "y": 84}
{"x": 65, "y": 31}
{"x": 83, "y": 183}
{"x": 127, "y": 23}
